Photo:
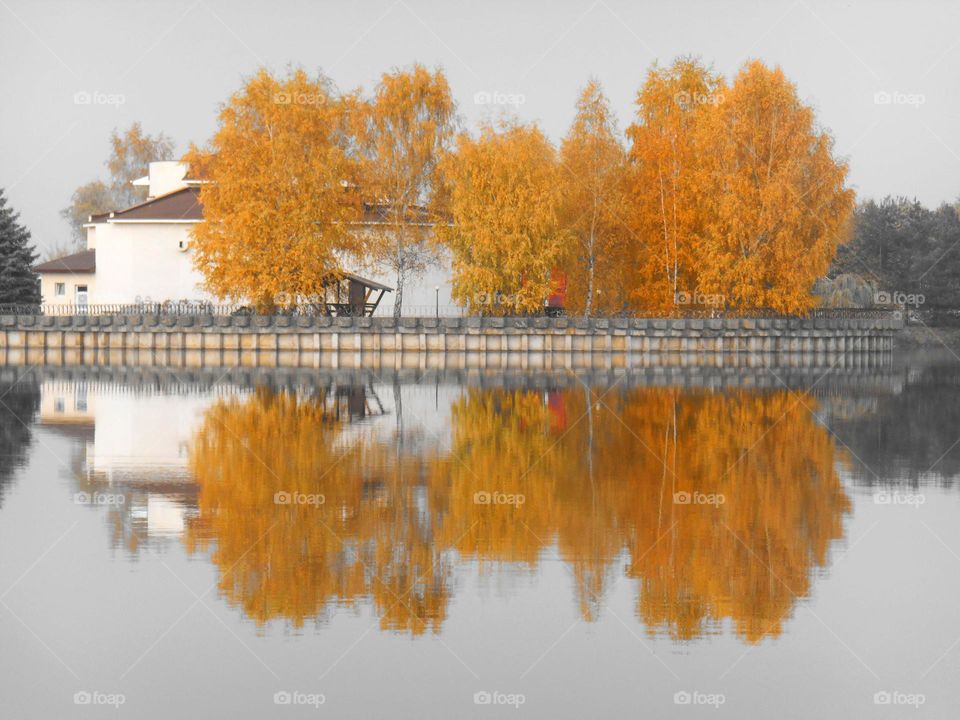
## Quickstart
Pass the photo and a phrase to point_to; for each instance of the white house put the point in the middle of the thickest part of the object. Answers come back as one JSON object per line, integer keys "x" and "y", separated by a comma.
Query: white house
{"x": 143, "y": 254}
{"x": 140, "y": 254}
{"x": 68, "y": 280}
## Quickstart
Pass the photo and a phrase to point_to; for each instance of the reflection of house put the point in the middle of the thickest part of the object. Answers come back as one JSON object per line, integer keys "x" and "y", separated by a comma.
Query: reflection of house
{"x": 63, "y": 404}
{"x": 133, "y": 436}
{"x": 132, "y": 445}
{"x": 133, "y": 442}
{"x": 142, "y": 253}
{"x": 154, "y": 513}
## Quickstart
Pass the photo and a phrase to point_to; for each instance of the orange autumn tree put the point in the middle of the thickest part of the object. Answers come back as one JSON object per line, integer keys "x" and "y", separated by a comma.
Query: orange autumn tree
{"x": 667, "y": 211}
{"x": 594, "y": 165}
{"x": 404, "y": 130}
{"x": 506, "y": 239}
{"x": 275, "y": 206}
{"x": 772, "y": 194}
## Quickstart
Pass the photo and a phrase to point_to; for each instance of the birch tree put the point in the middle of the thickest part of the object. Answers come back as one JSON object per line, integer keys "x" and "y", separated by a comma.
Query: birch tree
{"x": 406, "y": 127}
{"x": 774, "y": 197}
{"x": 279, "y": 208}
{"x": 594, "y": 165}
{"x": 666, "y": 211}
{"x": 506, "y": 237}
{"x": 131, "y": 153}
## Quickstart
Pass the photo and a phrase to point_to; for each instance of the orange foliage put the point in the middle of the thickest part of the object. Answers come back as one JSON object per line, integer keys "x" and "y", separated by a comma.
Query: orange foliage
{"x": 506, "y": 238}
{"x": 773, "y": 196}
{"x": 594, "y": 174}
{"x": 275, "y": 209}
{"x": 667, "y": 212}
{"x": 404, "y": 130}
{"x": 600, "y": 491}
{"x": 294, "y": 560}
{"x": 729, "y": 196}
{"x": 738, "y": 197}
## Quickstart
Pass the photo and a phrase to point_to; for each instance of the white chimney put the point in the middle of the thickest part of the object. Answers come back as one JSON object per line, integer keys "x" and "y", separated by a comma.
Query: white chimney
{"x": 165, "y": 177}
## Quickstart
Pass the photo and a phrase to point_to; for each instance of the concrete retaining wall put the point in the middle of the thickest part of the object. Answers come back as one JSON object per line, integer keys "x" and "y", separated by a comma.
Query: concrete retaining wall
{"x": 262, "y": 334}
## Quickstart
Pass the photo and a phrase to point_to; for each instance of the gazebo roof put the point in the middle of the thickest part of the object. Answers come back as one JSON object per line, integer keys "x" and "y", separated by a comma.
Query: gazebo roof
{"x": 374, "y": 285}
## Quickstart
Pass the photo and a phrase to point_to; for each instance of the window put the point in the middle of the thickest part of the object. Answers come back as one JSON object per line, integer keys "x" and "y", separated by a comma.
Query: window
{"x": 60, "y": 289}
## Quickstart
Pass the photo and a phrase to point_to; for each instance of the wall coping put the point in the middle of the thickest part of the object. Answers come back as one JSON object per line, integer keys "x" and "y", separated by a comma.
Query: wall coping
{"x": 432, "y": 325}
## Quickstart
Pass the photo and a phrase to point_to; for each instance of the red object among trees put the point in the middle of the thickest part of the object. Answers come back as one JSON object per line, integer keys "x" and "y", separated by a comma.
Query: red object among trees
{"x": 556, "y": 299}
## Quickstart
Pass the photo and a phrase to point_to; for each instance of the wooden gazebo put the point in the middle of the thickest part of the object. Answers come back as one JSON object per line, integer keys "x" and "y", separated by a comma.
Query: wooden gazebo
{"x": 352, "y": 295}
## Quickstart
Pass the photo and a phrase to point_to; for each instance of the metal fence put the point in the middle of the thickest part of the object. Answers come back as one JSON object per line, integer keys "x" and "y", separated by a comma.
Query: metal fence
{"x": 122, "y": 309}
{"x": 195, "y": 309}
{"x": 385, "y": 309}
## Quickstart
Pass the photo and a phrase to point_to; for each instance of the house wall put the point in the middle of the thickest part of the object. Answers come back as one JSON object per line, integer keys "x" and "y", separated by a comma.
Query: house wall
{"x": 419, "y": 294}
{"x": 49, "y": 280}
{"x": 145, "y": 261}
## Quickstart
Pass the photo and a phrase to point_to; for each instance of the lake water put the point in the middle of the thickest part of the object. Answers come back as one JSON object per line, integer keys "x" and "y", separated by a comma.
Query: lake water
{"x": 754, "y": 543}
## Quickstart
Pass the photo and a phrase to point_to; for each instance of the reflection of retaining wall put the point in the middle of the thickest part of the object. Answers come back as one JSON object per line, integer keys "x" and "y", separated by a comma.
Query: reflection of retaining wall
{"x": 872, "y": 377}
{"x": 460, "y": 335}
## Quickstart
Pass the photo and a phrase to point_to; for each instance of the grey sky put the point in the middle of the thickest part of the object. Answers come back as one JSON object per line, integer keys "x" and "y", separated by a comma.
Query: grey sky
{"x": 173, "y": 62}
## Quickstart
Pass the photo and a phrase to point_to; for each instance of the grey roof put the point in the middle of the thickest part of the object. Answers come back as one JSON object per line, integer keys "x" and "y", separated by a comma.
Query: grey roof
{"x": 81, "y": 262}
{"x": 365, "y": 281}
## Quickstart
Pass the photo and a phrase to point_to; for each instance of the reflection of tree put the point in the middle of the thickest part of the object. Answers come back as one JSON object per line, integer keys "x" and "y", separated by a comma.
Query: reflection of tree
{"x": 748, "y": 558}
{"x": 501, "y": 447}
{"x": 908, "y": 434}
{"x": 608, "y": 484}
{"x": 295, "y": 560}
{"x": 19, "y": 403}
{"x": 598, "y": 481}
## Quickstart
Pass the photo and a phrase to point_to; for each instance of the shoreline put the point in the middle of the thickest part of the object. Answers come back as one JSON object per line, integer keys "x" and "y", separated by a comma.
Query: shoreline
{"x": 925, "y": 337}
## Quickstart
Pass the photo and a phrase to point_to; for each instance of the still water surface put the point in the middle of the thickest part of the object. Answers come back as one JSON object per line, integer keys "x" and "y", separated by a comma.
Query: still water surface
{"x": 413, "y": 546}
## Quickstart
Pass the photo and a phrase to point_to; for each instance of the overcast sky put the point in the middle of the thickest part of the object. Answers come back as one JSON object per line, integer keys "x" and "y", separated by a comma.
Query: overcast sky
{"x": 171, "y": 63}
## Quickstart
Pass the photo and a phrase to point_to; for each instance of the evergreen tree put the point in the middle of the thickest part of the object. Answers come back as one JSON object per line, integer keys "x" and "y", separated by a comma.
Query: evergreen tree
{"x": 19, "y": 284}
{"x": 898, "y": 245}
